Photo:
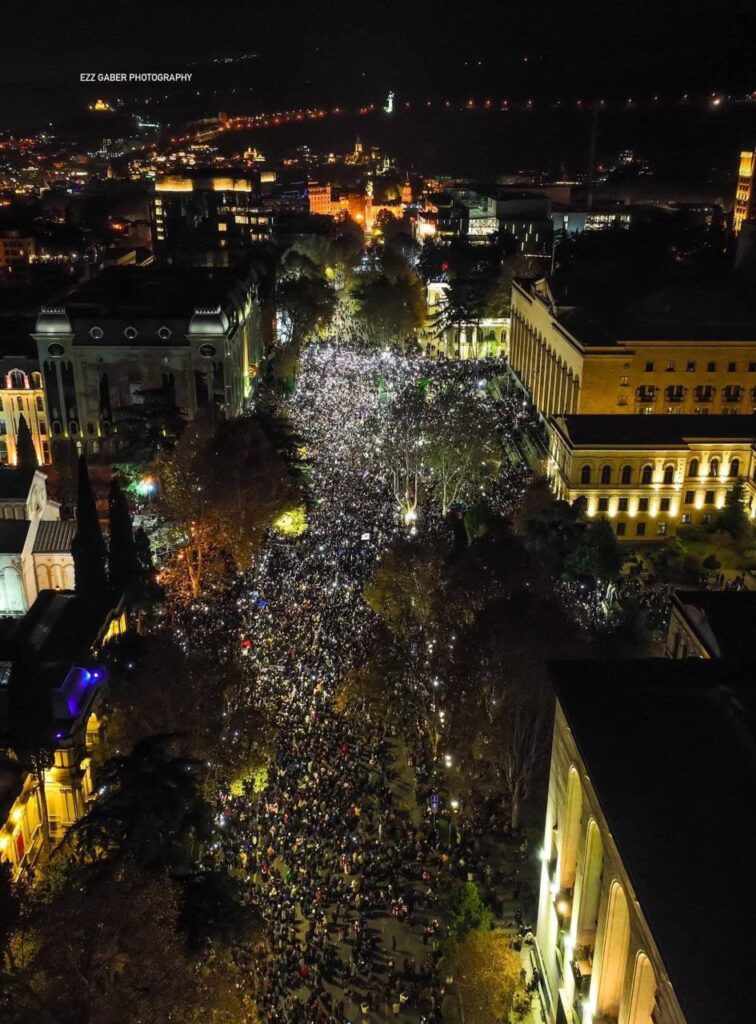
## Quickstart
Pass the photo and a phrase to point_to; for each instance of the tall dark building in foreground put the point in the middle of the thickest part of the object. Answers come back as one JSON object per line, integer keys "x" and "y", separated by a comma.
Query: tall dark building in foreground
{"x": 648, "y": 848}
{"x": 208, "y": 218}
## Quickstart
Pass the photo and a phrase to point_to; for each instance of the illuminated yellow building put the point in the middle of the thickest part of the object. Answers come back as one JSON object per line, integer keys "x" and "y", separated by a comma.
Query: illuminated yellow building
{"x": 22, "y": 393}
{"x": 649, "y": 475}
{"x": 76, "y": 697}
{"x": 681, "y": 351}
{"x": 645, "y": 852}
{"x": 743, "y": 208}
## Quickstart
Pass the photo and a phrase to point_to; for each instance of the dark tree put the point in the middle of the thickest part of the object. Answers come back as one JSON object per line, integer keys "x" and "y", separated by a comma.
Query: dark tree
{"x": 31, "y": 727}
{"x": 733, "y": 518}
{"x": 151, "y": 808}
{"x": 26, "y": 454}
{"x": 123, "y": 566}
{"x": 88, "y": 549}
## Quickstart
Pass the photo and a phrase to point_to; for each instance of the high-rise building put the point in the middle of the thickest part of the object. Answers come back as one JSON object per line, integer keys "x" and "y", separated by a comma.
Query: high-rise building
{"x": 208, "y": 218}
{"x": 744, "y": 207}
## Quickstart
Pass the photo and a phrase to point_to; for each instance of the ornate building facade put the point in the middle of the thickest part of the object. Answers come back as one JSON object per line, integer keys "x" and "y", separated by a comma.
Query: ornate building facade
{"x": 35, "y": 543}
{"x": 643, "y": 840}
{"x": 187, "y": 334}
{"x": 700, "y": 361}
{"x": 22, "y": 393}
{"x": 60, "y": 628}
{"x": 650, "y": 474}
{"x": 486, "y": 338}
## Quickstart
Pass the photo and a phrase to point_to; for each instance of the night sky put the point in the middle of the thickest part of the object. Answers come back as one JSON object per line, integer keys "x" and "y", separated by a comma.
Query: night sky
{"x": 337, "y": 51}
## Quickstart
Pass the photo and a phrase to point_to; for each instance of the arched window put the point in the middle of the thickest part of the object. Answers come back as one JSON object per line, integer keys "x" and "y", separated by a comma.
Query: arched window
{"x": 614, "y": 954}
{"x": 643, "y": 992}
{"x": 693, "y": 467}
{"x": 669, "y": 474}
{"x": 647, "y": 474}
{"x": 571, "y": 836}
{"x": 606, "y": 474}
{"x": 627, "y": 473}
{"x": 735, "y": 467}
{"x": 714, "y": 467}
{"x": 585, "y": 475}
{"x": 16, "y": 379}
{"x": 36, "y": 379}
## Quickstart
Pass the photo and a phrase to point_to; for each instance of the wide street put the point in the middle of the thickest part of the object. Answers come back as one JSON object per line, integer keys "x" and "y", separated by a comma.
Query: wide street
{"x": 344, "y": 874}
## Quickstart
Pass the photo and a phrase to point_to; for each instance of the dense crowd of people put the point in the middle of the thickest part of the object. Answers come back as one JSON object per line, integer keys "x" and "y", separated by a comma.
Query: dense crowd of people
{"x": 344, "y": 866}
{"x": 343, "y": 861}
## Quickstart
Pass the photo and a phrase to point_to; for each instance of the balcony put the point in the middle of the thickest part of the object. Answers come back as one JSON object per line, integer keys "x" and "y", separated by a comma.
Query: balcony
{"x": 704, "y": 394}
{"x": 732, "y": 395}
{"x": 675, "y": 394}
{"x": 582, "y": 968}
{"x": 646, "y": 394}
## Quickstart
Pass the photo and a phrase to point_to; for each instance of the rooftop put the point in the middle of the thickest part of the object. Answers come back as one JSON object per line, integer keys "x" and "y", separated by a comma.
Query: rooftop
{"x": 54, "y": 536}
{"x": 684, "y": 312}
{"x": 670, "y": 747}
{"x": 584, "y": 431}
{"x": 13, "y": 535}
{"x": 15, "y": 483}
{"x": 152, "y": 293}
{"x": 62, "y": 626}
{"x": 723, "y": 620}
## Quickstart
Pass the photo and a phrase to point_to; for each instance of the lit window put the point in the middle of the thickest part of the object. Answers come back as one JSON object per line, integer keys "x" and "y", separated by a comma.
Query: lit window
{"x": 222, "y": 227}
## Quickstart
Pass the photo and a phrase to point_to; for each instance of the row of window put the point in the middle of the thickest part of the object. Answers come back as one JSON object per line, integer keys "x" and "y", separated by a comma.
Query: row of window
{"x": 40, "y": 402}
{"x": 647, "y": 472}
{"x": 42, "y": 427}
{"x": 691, "y": 366}
{"x": 46, "y": 456}
{"x": 661, "y": 528}
{"x": 17, "y": 380}
{"x": 702, "y": 393}
{"x": 640, "y": 529}
{"x": 623, "y": 504}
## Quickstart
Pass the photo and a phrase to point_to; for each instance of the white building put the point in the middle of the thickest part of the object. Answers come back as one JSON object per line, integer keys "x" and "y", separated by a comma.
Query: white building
{"x": 488, "y": 337}
{"x": 35, "y": 543}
